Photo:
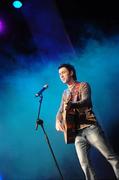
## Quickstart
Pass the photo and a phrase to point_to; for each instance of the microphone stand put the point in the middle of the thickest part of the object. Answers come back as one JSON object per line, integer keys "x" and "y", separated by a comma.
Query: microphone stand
{"x": 40, "y": 122}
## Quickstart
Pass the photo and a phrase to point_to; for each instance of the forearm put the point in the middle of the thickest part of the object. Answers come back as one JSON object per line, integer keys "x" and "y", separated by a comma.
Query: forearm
{"x": 85, "y": 97}
{"x": 59, "y": 122}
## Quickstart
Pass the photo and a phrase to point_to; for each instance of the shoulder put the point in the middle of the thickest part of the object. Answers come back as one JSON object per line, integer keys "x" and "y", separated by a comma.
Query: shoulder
{"x": 82, "y": 84}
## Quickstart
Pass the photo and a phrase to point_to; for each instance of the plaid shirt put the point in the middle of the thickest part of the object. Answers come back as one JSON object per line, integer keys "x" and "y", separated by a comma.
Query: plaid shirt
{"x": 81, "y": 95}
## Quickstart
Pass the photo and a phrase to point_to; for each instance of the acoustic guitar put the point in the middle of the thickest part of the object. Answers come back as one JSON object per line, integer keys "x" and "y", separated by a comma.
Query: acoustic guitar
{"x": 71, "y": 122}
{"x": 71, "y": 117}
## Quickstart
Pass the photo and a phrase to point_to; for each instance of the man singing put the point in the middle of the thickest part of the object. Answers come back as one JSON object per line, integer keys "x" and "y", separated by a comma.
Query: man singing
{"x": 76, "y": 109}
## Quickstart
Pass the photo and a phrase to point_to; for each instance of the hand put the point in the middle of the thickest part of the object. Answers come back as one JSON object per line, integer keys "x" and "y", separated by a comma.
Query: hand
{"x": 60, "y": 126}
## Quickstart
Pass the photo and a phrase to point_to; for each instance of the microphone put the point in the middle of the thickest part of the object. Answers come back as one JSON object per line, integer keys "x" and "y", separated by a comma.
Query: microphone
{"x": 43, "y": 89}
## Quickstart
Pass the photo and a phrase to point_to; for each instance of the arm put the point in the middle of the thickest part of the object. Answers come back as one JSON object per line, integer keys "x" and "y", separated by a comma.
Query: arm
{"x": 85, "y": 97}
{"x": 59, "y": 116}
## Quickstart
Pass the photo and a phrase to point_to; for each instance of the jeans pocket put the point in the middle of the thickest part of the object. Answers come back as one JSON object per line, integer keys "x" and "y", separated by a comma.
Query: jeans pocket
{"x": 96, "y": 130}
{"x": 91, "y": 129}
{"x": 92, "y": 126}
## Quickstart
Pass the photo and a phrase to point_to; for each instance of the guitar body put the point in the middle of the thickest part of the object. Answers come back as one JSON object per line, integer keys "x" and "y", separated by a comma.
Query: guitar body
{"x": 71, "y": 116}
{"x": 70, "y": 126}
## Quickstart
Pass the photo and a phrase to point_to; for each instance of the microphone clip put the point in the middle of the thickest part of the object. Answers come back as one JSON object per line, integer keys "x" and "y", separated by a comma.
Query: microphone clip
{"x": 39, "y": 122}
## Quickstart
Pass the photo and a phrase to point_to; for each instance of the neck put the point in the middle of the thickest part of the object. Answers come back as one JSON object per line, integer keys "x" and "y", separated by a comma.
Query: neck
{"x": 71, "y": 84}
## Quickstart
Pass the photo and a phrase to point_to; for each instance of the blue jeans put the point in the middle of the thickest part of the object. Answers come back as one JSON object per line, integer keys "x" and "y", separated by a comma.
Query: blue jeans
{"x": 93, "y": 135}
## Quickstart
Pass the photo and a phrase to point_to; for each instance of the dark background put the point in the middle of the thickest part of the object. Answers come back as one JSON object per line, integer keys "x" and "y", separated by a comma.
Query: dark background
{"x": 77, "y": 15}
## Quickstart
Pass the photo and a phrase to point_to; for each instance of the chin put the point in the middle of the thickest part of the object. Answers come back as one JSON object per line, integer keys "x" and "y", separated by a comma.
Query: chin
{"x": 64, "y": 82}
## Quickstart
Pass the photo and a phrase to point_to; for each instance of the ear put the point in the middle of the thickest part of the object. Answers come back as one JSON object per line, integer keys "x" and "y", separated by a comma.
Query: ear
{"x": 71, "y": 73}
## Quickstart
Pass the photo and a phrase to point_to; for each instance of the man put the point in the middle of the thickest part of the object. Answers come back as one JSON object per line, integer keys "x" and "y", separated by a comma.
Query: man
{"x": 76, "y": 100}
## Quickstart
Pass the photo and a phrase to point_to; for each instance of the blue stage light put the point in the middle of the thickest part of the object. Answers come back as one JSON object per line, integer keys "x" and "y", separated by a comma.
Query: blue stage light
{"x": 17, "y": 4}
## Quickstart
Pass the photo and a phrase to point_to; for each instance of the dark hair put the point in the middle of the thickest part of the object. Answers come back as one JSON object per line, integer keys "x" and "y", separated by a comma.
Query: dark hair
{"x": 70, "y": 68}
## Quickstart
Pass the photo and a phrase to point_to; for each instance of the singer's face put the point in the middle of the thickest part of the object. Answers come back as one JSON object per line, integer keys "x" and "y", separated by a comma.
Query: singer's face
{"x": 65, "y": 75}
